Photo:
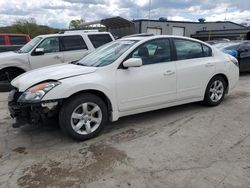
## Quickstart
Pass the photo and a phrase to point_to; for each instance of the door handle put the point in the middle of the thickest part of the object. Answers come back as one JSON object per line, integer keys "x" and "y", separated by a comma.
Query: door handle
{"x": 169, "y": 73}
{"x": 209, "y": 65}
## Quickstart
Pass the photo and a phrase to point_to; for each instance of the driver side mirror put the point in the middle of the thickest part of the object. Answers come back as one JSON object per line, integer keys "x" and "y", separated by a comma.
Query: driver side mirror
{"x": 132, "y": 62}
{"x": 39, "y": 51}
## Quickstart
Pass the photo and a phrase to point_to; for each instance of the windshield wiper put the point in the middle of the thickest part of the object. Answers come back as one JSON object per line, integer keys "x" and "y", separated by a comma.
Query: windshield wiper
{"x": 18, "y": 51}
{"x": 76, "y": 63}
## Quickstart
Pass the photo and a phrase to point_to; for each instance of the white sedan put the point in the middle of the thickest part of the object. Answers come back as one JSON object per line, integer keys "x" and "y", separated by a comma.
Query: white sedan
{"x": 127, "y": 76}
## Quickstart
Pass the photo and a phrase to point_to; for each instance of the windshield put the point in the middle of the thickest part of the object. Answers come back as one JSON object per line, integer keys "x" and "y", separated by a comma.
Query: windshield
{"x": 30, "y": 45}
{"x": 106, "y": 54}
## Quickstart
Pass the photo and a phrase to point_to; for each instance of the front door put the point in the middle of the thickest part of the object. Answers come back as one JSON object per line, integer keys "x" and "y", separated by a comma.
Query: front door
{"x": 52, "y": 54}
{"x": 154, "y": 83}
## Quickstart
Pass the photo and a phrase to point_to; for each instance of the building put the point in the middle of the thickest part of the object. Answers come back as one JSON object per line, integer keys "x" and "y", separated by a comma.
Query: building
{"x": 120, "y": 27}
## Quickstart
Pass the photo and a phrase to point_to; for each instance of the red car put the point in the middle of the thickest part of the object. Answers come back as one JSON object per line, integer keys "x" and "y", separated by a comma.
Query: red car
{"x": 12, "y": 42}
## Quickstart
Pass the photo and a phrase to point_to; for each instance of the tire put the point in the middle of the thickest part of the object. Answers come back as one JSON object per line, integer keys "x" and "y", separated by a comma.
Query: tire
{"x": 215, "y": 91}
{"x": 83, "y": 116}
{"x": 6, "y": 76}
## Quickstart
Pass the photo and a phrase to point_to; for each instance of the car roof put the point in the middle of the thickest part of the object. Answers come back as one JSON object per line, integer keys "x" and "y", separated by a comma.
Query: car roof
{"x": 146, "y": 38}
{"x": 72, "y": 33}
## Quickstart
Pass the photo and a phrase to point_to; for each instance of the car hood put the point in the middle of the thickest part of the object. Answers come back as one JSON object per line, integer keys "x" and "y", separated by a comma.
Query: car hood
{"x": 55, "y": 72}
{"x": 6, "y": 57}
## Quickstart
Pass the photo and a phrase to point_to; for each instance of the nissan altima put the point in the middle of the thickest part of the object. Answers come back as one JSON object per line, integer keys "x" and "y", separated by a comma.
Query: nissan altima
{"x": 127, "y": 76}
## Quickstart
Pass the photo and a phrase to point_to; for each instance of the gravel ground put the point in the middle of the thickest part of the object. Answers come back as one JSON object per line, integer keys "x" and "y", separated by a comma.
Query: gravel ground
{"x": 184, "y": 146}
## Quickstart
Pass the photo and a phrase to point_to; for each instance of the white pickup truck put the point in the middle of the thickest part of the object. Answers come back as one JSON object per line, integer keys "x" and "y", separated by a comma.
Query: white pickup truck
{"x": 45, "y": 50}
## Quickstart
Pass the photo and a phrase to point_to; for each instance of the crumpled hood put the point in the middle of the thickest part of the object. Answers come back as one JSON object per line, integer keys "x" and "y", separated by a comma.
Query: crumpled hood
{"x": 55, "y": 72}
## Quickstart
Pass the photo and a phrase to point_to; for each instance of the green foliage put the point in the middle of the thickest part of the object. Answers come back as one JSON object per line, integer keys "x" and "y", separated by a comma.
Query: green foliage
{"x": 29, "y": 27}
{"x": 201, "y": 20}
{"x": 75, "y": 24}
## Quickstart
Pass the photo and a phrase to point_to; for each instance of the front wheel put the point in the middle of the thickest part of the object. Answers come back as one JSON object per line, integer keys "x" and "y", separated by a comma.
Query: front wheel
{"x": 83, "y": 116}
{"x": 215, "y": 91}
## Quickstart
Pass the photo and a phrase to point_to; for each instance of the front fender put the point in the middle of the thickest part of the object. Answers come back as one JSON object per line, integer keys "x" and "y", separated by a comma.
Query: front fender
{"x": 83, "y": 83}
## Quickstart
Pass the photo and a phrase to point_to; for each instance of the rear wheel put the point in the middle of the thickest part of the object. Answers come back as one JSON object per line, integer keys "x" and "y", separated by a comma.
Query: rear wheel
{"x": 83, "y": 116}
{"x": 215, "y": 91}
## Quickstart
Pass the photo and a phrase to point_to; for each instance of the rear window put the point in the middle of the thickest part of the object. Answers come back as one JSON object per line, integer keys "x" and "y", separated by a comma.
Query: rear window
{"x": 100, "y": 39}
{"x": 187, "y": 49}
{"x": 206, "y": 51}
{"x": 17, "y": 40}
{"x": 75, "y": 42}
{"x": 2, "y": 41}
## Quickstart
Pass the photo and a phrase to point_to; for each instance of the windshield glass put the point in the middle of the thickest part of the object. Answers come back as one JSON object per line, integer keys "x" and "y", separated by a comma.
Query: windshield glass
{"x": 30, "y": 45}
{"x": 106, "y": 54}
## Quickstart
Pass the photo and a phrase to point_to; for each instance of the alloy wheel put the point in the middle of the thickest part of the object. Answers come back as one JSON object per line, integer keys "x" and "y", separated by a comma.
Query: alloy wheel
{"x": 216, "y": 91}
{"x": 86, "y": 118}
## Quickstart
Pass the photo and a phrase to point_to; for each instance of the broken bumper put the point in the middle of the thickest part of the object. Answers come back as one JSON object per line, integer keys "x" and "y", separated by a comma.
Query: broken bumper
{"x": 30, "y": 113}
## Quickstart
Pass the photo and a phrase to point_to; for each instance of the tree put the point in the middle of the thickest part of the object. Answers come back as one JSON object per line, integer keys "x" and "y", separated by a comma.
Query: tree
{"x": 201, "y": 20}
{"x": 75, "y": 24}
{"x": 28, "y": 26}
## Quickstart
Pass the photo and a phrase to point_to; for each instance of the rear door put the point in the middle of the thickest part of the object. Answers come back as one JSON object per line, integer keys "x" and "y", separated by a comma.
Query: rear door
{"x": 73, "y": 47}
{"x": 195, "y": 66}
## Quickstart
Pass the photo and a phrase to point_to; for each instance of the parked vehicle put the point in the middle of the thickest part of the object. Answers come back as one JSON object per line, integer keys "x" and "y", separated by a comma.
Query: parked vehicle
{"x": 45, "y": 50}
{"x": 12, "y": 42}
{"x": 127, "y": 76}
{"x": 217, "y": 41}
{"x": 240, "y": 50}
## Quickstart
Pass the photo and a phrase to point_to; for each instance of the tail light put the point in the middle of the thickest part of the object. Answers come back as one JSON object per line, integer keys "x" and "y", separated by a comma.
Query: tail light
{"x": 233, "y": 60}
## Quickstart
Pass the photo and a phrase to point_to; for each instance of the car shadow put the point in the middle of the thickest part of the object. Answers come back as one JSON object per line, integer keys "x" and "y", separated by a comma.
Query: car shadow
{"x": 51, "y": 130}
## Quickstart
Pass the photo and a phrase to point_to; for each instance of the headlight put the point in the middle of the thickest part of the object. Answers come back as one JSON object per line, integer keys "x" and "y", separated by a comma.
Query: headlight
{"x": 37, "y": 92}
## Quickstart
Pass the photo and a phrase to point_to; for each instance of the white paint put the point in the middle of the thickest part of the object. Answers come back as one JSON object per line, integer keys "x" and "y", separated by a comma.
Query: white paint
{"x": 137, "y": 89}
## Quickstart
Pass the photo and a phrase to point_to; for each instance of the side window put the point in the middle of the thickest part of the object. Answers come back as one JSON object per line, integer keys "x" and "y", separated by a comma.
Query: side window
{"x": 99, "y": 39}
{"x": 207, "y": 52}
{"x": 50, "y": 45}
{"x": 75, "y": 42}
{"x": 186, "y": 49}
{"x": 2, "y": 41}
{"x": 17, "y": 40}
{"x": 155, "y": 51}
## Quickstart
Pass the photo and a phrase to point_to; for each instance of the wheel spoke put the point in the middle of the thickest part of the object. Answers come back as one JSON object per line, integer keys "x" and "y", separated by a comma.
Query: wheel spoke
{"x": 216, "y": 96}
{"x": 212, "y": 96}
{"x": 79, "y": 125}
{"x": 219, "y": 92}
{"x": 219, "y": 86}
{"x": 95, "y": 109}
{"x": 96, "y": 120}
{"x": 88, "y": 127}
{"x": 85, "y": 107}
{"x": 76, "y": 116}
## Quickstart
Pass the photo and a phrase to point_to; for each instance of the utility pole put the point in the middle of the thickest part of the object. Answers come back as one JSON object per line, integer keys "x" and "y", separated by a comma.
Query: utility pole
{"x": 149, "y": 12}
{"x": 226, "y": 15}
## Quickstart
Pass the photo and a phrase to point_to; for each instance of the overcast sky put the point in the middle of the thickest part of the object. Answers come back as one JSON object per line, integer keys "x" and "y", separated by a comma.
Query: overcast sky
{"x": 58, "y": 13}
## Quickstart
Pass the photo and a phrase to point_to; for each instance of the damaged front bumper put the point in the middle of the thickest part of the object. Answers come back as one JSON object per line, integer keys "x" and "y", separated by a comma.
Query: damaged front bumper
{"x": 31, "y": 113}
